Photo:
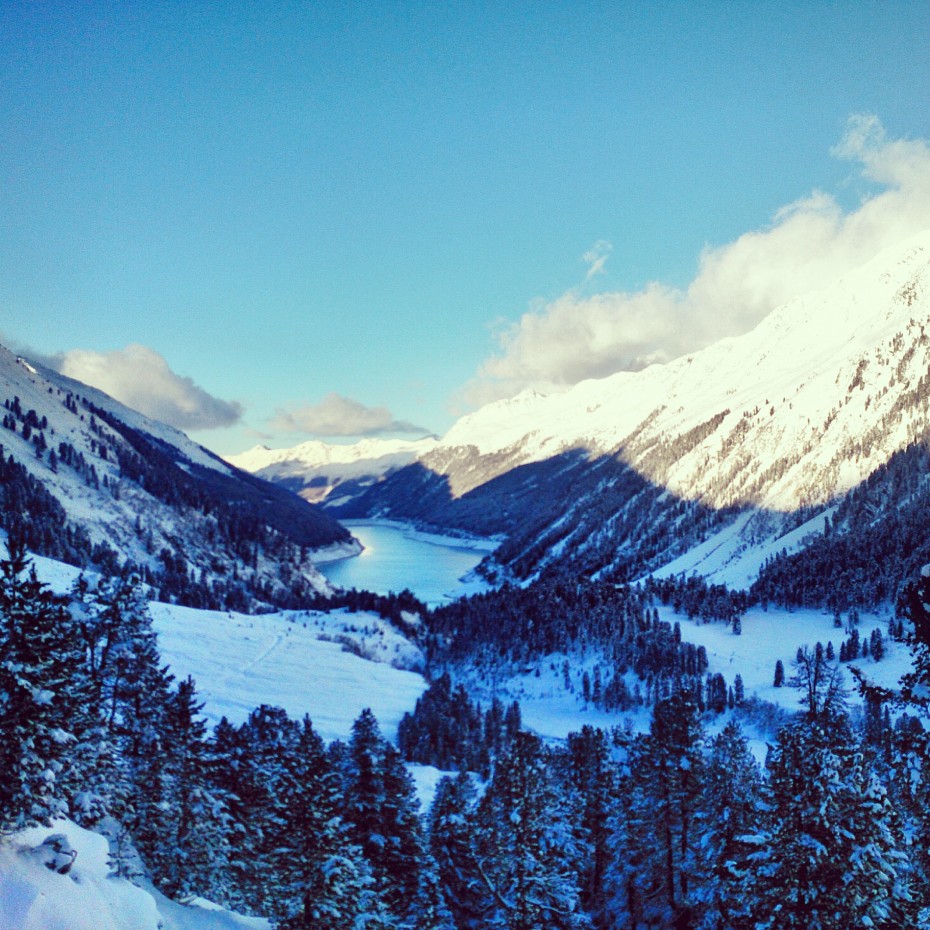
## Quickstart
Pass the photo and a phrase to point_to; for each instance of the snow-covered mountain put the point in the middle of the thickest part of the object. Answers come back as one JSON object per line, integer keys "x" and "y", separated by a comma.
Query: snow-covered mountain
{"x": 731, "y": 447}
{"x": 90, "y": 481}
{"x": 315, "y": 469}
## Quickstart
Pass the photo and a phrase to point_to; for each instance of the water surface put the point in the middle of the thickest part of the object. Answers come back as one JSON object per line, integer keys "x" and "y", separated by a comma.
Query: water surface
{"x": 395, "y": 557}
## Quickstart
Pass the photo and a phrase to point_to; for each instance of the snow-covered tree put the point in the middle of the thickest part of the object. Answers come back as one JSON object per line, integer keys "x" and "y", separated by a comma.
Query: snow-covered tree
{"x": 325, "y": 882}
{"x": 915, "y": 606}
{"x": 381, "y": 810}
{"x": 656, "y": 829}
{"x": 832, "y": 858}
{"x": 528, "y": 852}
{"x": 453, "y": 847}
{"x": 190, "y": 853}
{"x": 254, "y": 771}
{"x": 593, "y": 776}
{"x": 731, "y": 814}
{"x": 403, "y": 851}
{"x": 430, "y": 909}
{"x": 42, "y": 685}
{"x": 127, "y": 689}
{"x": 364, "y": 789}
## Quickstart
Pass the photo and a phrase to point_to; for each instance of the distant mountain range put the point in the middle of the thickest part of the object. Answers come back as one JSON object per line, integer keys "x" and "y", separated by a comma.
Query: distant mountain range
{"x": 89, "y": 481}
{"x": 709, "y": 463}
{"x": 332, "y": 474}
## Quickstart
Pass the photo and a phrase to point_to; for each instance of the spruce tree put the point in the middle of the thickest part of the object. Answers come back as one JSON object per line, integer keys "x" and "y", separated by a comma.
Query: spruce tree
{"x": 430, "y": 909}
{"x": 190, "y": 853}
{"x": 657, "y": 839}
{"x": 453, "y": 847}
{"x": 257, "y": 766}
{"x": 41, "y": 687}
{"x": 326, "y": 883}
{"x": 832, "y": 858}
{"x": 731, "y": 813}
{"x": 403, "y": 850}
{"x": 364, "y": 791}
{"x": 593, "y": 776}
{"x": 527, "y": 851}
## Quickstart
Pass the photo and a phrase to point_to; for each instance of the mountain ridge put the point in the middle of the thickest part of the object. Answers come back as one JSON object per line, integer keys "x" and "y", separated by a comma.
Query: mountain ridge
{"x": 779, "y": 423}
{"x": 106, "y": 486}
{"x": 315, "y": 469}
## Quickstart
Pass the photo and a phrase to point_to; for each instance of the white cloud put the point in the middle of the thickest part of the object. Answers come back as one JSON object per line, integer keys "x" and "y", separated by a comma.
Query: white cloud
{"x": 140, "y": 378}
{"x": 809, "y": 243}
{"x": 596, "y": 257}
{"x": 336, "y": 415}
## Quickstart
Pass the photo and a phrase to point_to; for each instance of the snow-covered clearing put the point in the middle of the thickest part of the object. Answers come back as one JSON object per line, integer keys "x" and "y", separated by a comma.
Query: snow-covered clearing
{"x": 553, "y": 711}
{"x": 768, "y": 636}
{"x": 330, "y": 666}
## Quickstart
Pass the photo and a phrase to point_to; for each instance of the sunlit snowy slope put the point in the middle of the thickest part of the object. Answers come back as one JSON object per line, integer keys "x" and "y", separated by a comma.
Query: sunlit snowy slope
{"x": 330, "y": 666}
{"x": 788, "y": 417}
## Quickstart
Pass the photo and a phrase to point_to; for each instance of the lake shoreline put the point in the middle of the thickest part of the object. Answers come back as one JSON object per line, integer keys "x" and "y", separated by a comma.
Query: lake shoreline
{"x": 396, "y": 556}
{"x": 467, "y": 543}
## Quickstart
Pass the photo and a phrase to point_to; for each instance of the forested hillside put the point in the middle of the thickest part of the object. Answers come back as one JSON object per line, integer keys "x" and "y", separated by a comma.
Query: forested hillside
{"x": 671, "y": 827}
{"x": 87, "y": 481}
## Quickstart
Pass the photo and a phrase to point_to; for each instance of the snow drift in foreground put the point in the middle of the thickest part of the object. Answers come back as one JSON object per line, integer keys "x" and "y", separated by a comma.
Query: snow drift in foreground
{"x": 34, "y": 896}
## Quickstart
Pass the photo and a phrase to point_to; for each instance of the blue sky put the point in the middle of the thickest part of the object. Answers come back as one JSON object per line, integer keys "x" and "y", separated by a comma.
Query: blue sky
{"x": 266, "y": 222}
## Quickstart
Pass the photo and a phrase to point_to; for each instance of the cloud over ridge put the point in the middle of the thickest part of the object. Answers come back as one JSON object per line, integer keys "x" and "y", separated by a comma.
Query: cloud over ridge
{"x": 339, "y": 416}
{"x": 808, "y": 244}
{"x": 141, "y": 378}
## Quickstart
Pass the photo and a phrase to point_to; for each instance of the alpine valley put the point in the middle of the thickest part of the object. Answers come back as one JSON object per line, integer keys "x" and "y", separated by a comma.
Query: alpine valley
{"x": 692, "y": 696}
{"x": 809, "y": 433}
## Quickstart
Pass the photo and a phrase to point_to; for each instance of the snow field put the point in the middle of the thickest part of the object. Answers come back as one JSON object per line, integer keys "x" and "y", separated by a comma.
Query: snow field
{"x": 776, "y": 634}
{"x": 330, "y": 666}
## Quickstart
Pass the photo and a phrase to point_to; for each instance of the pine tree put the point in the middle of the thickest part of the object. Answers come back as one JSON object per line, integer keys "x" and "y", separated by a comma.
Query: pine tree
{"x": 739, "y": 690}
{"x": 403, "y": 850}
{"x": 138, "y": 694}
{"x": 364, "y": 792}
{"x": 657, "y": 838}
{"x": 527, "y": 853}
{"x": 916, "y": 607}
{"x": 190, "y": 853}
{"x": 381, "y": 813}
{"x": 326, "y": 883}
{"x": 453, "y": 847}
{"x": 118, "y": 645}
{"x": 910, "y": 790}
{"x": 779, "y": 674}
{"x": 255, "y": 771}
{"x": 593, "y": 776}
{"x": 731, "y": 812}
{"x": 430, "y": 909}
{"x": 41, "y": 687}
{"x": 831, "y": 859}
